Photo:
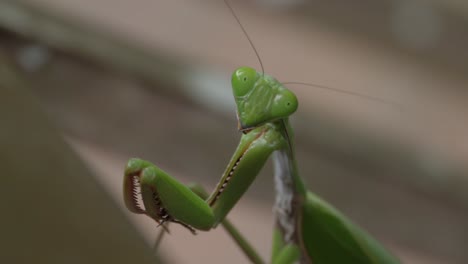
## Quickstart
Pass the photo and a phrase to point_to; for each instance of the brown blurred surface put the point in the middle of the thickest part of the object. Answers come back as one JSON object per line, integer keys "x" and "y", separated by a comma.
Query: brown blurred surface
{"x": 52, "y": 209}
{"x": 402, "y": 176}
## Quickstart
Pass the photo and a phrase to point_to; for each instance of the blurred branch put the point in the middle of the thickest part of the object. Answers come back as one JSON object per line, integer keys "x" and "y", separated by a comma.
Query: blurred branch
{"x": 56, "y": 31}
{"x": 53, "y": 210}
{"x": 377, "y": 21}
{"x": 459, "y": 7}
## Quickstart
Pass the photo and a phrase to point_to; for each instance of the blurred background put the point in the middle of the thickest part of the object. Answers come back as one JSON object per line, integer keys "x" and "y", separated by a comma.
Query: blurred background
{"x": 151, "y": 79}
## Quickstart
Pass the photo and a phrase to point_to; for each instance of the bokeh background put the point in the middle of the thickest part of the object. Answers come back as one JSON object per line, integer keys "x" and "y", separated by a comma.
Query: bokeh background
{"x": 151, "y": 79}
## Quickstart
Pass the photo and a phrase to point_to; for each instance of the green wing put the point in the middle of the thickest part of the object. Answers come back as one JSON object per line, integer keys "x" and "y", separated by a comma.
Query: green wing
{"x": 329, "y": 237}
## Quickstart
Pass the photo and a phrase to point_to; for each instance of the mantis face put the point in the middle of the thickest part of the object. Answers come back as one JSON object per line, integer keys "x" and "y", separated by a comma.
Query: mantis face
{"x": 260, "y": 98}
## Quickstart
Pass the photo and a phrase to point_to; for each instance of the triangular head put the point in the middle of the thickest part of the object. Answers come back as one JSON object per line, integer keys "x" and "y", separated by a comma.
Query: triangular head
{"x": 260, "y": 98}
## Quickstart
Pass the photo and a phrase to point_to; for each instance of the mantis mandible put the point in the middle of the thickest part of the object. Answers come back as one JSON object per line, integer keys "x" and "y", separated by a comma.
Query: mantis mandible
{"x": 307, "y": 230}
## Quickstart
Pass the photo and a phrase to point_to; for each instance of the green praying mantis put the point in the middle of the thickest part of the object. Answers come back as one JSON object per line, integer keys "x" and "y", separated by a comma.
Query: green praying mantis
{"x": 307, "y": 230}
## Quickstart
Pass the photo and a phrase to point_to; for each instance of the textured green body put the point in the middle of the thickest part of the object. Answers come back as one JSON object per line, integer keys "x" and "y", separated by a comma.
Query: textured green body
{"x": 320, "y": 234}
{"x": 329, "y": 237}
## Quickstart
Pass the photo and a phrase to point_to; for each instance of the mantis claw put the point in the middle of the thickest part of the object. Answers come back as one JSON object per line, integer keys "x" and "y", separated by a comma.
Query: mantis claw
{"x": 141, "y": 195}
{"x": 191, "y": 229}
{"x": 163, "y": 226}
{"x": 307, "y": 228}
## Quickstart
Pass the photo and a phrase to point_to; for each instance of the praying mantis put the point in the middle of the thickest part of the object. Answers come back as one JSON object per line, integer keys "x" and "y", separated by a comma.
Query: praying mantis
{"x": 307, "y": 230}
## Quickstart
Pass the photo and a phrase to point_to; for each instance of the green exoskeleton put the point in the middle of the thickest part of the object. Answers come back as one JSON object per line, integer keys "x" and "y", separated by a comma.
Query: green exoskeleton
{"x": 308, "y": 230}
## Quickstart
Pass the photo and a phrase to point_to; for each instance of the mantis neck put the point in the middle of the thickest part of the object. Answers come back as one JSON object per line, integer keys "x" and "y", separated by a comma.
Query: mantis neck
{"x": 288, "y": 164}
{"x": 290, "y": 189}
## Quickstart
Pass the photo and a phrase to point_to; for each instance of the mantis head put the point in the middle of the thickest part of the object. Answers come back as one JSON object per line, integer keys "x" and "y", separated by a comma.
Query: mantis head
{"x": 260, "y": 98}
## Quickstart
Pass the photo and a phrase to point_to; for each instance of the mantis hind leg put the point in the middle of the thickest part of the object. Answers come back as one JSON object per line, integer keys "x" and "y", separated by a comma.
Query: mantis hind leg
{"x": 281, "y": 252}
{"x": 160, "y": 237}
{"x": 233, "y": 232}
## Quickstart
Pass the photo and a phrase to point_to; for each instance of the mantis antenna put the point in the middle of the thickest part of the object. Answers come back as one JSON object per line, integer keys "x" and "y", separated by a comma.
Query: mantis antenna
{"x": 245, "y": 33}
{"x": 365, "y": 96}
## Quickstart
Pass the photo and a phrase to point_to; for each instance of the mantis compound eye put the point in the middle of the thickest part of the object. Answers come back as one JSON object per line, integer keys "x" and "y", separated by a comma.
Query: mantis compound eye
{"x": 284, "y": 104}
{"x": 243, "y": 80}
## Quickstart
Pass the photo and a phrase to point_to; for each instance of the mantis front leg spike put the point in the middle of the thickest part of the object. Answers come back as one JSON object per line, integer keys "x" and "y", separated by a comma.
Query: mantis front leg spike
{"x": 144, "y": 199}
{"x": 308, "y": 229}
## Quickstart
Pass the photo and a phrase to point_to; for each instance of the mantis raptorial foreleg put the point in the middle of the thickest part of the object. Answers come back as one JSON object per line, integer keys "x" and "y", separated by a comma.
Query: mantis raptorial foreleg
{"x": 307, "y": 229}
{"x": 166, "y": 200}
